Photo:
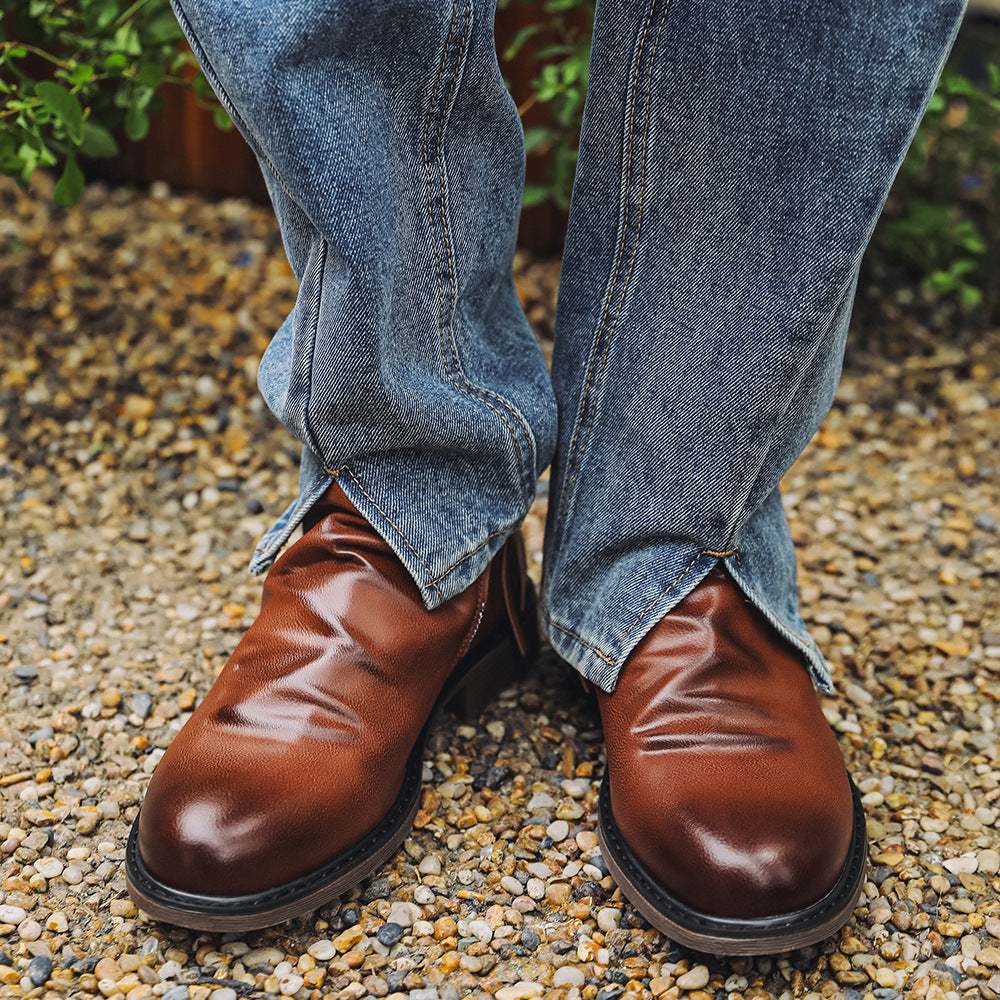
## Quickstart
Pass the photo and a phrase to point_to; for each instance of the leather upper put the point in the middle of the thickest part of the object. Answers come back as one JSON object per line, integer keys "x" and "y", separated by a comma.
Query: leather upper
{"x": 300, "y": 747}
{"x": 727, "y": 783}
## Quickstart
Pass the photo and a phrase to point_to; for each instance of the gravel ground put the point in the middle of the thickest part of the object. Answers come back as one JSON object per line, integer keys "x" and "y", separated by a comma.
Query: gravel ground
{"x": 137, "y": 468}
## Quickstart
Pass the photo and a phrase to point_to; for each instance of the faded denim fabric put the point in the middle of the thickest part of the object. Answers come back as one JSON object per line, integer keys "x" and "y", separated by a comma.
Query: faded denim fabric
{"x": 733, "y": 162}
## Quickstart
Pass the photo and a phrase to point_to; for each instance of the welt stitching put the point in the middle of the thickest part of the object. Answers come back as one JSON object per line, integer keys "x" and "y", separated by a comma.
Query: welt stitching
{"x": 590, "y": 405}
{"x": 619, "y": 255}
{"x": 473, "y": 628}
{"x": 399, "y": 530}
{"x": 445, "y": 316}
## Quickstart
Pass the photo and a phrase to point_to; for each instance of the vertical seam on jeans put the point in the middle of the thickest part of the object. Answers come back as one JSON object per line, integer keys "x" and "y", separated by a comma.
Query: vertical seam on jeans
{"x": 588, "y": 403}
{"x": 741, "y": 570}
{"x": 314, "y": 340}
{"x": 446, "y": 335}
{"x": 663, "y": 593}
{"x": 374, "y": 503}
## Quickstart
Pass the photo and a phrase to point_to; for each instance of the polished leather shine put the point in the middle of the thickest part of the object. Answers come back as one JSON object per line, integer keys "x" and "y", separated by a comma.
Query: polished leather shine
{"x": 300, "y": 747}
{"x": 727, "y": 783}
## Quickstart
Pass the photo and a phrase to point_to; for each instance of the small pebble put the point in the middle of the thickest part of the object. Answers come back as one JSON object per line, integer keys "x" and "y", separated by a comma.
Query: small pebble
{"x": 29, "y": 930}
{"x": 695, "y": 979}
{"x": 322, "y": 951}
{"x": 39, "y": 969}
{"x": 568, "y": 975}
{"x": 558, "y": 830}
{"x": 390, "y": 934}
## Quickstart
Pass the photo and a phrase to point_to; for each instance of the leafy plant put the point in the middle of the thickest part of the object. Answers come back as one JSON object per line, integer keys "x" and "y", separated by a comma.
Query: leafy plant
{"x": 564, "y": 53}
{"x": 943, "y": 217}
{"x": 72, "y": 72}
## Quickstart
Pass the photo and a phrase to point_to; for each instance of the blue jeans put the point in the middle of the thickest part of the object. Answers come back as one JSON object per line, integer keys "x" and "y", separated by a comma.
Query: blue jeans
{"x": 733, "y": 162}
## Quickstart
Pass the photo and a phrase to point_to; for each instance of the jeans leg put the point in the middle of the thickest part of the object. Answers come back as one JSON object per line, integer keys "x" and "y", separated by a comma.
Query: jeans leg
{"x": 395, "y": 160}
{"x": 733, "y": 163}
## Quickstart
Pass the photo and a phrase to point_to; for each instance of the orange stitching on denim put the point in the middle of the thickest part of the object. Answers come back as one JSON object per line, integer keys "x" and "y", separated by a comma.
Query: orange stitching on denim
{"x": 659, "y": 597}
{"x": 468, "y": 555}
{"x": 642, "y": 614}
{"x": 582, "y": 641}
{"x": 399, "y": 530}
{"x": 586, "y": 405}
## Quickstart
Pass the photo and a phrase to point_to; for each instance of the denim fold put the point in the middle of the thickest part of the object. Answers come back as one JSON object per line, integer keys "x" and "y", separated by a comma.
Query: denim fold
{"x": 733, "y": 162}
{"x": 407, "y": 367}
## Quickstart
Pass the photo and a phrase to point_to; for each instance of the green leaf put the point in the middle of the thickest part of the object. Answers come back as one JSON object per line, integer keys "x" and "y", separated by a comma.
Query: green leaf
{"x": 97, "y": 142}
{"x": 70, "y": 185}
{"x": 80, "y": 73}
{"x": 201, "y": 86}
{"x": 222, "y": 120}
{"x": 970, "y": 296}
{"x": 150, "y": 75}
{"x": 534, "y": 194}
{"x": 106, "y": 15}
{"x": 536, "y": 137}
{"x": 114, "y": 62}
{"x": 164, "y": 29}
{"x": 519, "y": 39}
{"x": 136, "y": 123}
{"x": 127, "y": 40}
{"x": 63, "y": 105}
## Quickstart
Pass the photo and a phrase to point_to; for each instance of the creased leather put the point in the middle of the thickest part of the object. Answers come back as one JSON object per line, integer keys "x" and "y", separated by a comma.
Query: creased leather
{"x": 299, "y": 748}
{"x": 727, "y": 783}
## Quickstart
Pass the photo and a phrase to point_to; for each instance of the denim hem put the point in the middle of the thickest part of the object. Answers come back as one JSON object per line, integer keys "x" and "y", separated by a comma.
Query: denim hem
{"x": 601, "y": 662}
{"x": 436, "y": 584}
{"x": 277, "y": 535}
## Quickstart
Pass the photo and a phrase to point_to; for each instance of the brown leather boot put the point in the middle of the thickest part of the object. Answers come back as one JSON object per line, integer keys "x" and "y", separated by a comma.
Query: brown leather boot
{"x": 726, "y": 814}
{"x": 300, "y": 772}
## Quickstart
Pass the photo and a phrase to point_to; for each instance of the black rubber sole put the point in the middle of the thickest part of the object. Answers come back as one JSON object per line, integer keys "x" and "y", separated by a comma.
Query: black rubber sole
{"x": 727, "y": 936}
{"x": 471, "y": 685}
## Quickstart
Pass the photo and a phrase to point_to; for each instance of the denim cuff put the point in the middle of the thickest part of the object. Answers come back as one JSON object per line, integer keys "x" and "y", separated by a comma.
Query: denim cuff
{"x": 596, "y": 626}
{"x": 441, "y": 565}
